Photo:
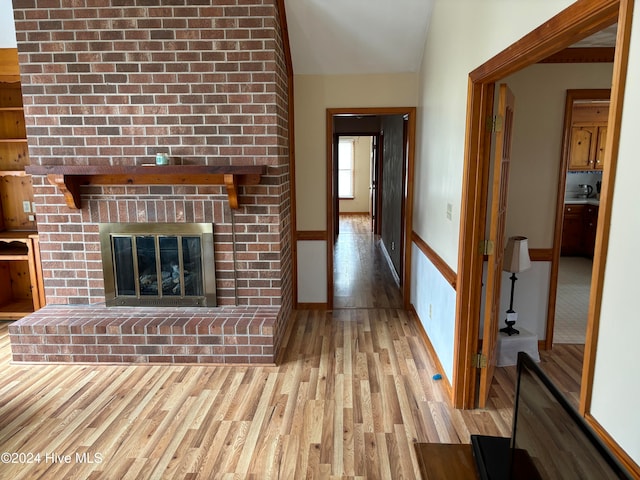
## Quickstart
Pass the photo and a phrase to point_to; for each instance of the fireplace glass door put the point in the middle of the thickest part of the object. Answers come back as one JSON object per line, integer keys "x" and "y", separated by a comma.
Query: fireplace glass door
{"x": 167, "y": 266}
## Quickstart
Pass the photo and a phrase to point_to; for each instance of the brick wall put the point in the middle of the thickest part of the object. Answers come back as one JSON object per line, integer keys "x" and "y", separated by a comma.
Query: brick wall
{"x": 112, "y": 82}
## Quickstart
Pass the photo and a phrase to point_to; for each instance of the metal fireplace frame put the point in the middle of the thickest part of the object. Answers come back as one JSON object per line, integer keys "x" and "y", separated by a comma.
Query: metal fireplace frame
{"x": 202, "y": 230}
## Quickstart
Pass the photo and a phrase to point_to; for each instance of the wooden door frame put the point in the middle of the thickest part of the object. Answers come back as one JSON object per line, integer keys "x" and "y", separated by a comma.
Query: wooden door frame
{"x": 408, "y": 192}
{"x": 577, "y": 21}
{"x": 378, "y": 137}
{"x": 376, "y": 169}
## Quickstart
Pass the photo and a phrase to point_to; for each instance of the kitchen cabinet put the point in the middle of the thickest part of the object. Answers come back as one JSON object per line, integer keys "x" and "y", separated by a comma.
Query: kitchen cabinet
{"x": 21, "y": 290}
{"x": 590, "y": 225}
{"x": 588, "y": 136}
{"x": 572, "y": 230}
{"x": 579, "y": 229}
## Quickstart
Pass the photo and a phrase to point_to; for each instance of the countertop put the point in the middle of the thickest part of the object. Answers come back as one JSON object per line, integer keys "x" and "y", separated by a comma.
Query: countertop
{"x": 581, "y": 201}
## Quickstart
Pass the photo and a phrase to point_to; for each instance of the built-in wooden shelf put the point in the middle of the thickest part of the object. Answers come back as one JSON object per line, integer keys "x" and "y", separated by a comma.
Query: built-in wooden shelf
{"x": 20, "y": 290}
{"x": 70, "y": 178}
{"x": 14, "y": 244}
{"x": 15, "y": 310}
{"x": 16, "y": 235}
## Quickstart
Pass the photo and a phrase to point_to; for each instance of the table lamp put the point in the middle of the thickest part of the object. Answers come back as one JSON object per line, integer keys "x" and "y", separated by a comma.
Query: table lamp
{"x": 516, "y": 260}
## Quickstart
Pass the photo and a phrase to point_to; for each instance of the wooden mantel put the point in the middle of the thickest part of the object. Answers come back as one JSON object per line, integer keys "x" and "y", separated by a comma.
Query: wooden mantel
{"x": 70, "y": 178}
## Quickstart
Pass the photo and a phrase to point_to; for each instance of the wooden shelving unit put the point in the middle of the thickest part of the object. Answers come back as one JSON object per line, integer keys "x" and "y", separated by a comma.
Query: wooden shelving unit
{"x": 21, "y": 289}
{"x": 20, "y": 282}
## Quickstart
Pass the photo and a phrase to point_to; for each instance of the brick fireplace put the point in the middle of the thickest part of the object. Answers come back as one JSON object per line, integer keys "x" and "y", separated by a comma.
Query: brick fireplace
{"x": 112, "y": 83}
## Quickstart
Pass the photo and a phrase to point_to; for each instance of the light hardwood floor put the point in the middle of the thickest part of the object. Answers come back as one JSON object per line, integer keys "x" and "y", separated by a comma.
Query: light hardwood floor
{"x": 351, "y": 396}
{"x": 362, "y": 277}
{"x": 354, "y": 391}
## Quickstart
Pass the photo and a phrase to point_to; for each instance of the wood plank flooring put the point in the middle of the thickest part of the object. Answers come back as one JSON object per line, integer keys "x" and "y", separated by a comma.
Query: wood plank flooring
{"x": 352, "y": 395}
{"x": 362, "y": 276}
{"x": 354, "y": 391}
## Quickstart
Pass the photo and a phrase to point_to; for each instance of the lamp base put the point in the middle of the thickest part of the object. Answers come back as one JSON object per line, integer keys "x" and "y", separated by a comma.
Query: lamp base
{"x": 509, "y": 330}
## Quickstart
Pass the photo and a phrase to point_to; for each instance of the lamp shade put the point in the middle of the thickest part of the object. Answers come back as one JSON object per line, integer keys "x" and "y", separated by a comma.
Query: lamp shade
{"x": 516, "y": 255}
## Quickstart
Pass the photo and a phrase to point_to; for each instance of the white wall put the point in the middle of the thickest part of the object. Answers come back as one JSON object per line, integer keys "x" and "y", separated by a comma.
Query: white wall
{"x": 360, "y": 203}
{"x": 435, "y": 305}
{"x": 462, "y": 35}
{"x": 616, "y": 386}
{"x": 7, "y": 27}
{"x": 312, "y": 257}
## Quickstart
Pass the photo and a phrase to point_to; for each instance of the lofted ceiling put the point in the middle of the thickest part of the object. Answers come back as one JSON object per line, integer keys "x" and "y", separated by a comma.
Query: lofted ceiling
{"x": 603, "y": 38}
{"x": 332, "y": 37}
{"x": 336, "y": 37}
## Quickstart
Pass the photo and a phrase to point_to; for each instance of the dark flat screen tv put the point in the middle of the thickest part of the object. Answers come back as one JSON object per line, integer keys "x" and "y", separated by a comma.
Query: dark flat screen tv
{"x": 550, "y": 439}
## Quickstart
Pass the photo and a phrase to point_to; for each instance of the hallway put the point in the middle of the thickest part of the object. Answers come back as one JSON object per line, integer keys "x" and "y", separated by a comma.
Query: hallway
{"x": 363, "y": 280}
{"x": 362, "y": 275}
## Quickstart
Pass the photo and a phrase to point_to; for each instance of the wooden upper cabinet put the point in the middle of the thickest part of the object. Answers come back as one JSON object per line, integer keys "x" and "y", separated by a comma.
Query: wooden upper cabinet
{"x": 582, "y": 141}
{"x": 600, "y": 147}
{"x": 588, "y": 135}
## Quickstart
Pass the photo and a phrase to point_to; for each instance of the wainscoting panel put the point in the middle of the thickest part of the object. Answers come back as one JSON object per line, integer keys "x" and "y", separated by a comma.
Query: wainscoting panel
{"x": 312, "y": 271}
{"x": 434, "y": 300}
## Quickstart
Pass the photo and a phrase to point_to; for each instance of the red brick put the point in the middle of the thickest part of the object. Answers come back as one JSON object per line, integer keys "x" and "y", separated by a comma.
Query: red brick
{"x": 185, "y": 359}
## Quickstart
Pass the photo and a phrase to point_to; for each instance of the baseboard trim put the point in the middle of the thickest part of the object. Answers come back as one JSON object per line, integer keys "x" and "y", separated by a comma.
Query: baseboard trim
{"x": 311, "y": 235}
{"x": 312, "y": 306}
{"x": 432, "y": 351}
{"x": 617, "y": 450}
{"x": 541, "y": 254}
{"x": 386, "y": 256}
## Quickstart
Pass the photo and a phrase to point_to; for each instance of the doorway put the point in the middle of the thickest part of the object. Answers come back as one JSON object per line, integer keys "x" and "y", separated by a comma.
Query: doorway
{"x": 560, "y": 32}
{"x": 576, "y": 215}
{"x": 395, "y": 232}
{"x": 363, "y": 277}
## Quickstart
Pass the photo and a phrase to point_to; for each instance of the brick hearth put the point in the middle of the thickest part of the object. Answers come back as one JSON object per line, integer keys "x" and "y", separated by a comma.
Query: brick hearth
{"x": 238, "y": 335}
